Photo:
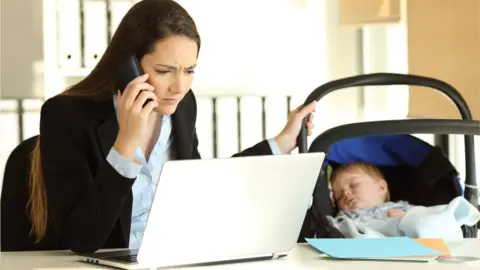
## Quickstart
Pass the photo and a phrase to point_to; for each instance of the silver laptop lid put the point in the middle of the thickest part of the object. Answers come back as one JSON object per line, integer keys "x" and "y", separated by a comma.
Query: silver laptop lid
{"x": 224, "y": 209}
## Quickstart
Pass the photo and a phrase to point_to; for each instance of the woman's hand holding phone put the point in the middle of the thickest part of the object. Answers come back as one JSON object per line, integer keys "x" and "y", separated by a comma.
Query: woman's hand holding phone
{"x": 133, "y": 114}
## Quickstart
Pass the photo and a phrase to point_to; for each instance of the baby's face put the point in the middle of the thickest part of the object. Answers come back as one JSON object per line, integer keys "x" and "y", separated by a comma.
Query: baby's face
{"x": 354, "y": 190}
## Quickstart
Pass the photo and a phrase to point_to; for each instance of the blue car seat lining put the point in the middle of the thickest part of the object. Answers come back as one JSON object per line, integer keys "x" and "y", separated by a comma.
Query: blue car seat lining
{"x": 391, "y": 150}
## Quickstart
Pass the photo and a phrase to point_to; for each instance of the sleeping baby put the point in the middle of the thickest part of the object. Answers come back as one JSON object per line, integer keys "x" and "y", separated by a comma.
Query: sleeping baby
{"x": 365, "y": 210}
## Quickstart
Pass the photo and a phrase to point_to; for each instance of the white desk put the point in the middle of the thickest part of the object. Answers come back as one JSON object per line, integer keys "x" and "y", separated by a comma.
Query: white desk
{"x": 301, "y": 257}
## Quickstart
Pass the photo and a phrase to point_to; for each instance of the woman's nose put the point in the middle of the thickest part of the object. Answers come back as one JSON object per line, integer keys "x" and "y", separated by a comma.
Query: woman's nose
{"x": 176, "y": 86}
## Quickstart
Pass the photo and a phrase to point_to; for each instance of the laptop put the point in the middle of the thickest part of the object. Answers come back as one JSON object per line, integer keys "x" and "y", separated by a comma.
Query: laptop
{"x": 223, "y": 210}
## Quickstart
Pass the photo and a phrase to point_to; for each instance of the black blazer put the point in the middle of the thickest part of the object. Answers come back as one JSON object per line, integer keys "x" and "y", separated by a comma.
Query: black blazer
{"x": 89, "y": 203}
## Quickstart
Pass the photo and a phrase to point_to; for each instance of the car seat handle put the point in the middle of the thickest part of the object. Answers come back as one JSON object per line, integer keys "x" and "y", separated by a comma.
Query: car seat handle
{"x": 376, "y": 79}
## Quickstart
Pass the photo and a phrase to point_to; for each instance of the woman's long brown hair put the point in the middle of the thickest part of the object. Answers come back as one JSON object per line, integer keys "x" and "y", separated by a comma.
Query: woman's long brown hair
{"x": 144, "y": 24}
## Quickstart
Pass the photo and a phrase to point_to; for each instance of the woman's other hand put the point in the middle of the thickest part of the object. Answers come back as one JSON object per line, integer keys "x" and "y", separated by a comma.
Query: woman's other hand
{"x": 287, "y": 139}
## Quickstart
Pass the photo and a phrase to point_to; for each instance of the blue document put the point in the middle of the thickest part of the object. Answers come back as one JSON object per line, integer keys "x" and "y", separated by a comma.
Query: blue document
{"x": 370, "y": 248}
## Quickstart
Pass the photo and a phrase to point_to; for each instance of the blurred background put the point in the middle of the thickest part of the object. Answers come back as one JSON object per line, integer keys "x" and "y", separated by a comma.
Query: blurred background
{"x": 259, "y": 60}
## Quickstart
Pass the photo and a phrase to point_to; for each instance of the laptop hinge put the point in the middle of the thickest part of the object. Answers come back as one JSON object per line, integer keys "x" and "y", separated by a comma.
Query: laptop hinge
{"x": 278, "y": 255}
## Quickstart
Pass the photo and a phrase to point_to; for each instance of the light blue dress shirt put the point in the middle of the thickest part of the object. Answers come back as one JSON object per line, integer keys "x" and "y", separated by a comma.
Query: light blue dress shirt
{"x": 147, "y": 174}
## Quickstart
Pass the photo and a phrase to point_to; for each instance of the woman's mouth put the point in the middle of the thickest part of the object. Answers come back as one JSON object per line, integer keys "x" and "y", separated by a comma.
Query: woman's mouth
{"x": 171, "y": 101}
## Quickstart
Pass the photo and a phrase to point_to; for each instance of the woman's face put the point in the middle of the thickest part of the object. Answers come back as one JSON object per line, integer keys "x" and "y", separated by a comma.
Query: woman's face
{"x": 171, "y": 67}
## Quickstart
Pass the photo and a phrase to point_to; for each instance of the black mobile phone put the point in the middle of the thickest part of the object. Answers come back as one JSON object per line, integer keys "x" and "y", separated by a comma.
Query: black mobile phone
{"x": 127, "y": 71}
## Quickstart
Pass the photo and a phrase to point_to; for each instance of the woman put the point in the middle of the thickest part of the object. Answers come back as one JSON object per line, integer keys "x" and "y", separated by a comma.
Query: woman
{"x": 101, "y": 150}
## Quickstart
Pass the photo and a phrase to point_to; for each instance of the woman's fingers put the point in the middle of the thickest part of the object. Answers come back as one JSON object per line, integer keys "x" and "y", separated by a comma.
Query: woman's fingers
{"x": 310, "y": 125}
{"x": 141, "y": 99}
{"x": 151, "y": 105}
{"x": 134, "y": 92}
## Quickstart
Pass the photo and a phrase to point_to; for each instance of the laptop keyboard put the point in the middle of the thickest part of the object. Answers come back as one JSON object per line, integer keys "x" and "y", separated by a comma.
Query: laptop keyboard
{"x": 125, "y": 258}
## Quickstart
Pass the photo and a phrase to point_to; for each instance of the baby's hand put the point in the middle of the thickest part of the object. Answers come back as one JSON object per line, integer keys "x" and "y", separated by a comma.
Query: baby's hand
{"x": 395, "y": 213}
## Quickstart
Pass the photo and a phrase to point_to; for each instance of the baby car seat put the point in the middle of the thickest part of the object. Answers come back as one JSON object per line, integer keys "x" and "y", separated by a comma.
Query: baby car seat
{"x": 415, "y": 171}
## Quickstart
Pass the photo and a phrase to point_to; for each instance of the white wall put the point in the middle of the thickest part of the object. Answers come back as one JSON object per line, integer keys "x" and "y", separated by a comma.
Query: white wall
{"x": 343, "y": 58}
{"x": 385, "y": 50}
{"x": 252, "y": 47}
{"x": 21, "y": 49}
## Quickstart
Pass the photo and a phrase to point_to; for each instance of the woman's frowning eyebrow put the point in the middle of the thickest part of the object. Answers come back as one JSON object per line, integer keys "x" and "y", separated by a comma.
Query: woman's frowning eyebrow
{"x": 174, "y": 67}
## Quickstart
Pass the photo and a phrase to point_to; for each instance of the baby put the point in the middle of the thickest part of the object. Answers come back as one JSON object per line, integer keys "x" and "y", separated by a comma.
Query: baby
{"x": 362, "y": 186}
{"x": 365, "y": 210}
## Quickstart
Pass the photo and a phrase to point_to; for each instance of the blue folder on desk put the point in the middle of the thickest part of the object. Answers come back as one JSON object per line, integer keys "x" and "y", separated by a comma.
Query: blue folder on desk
{"x": 388, "y": 248}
